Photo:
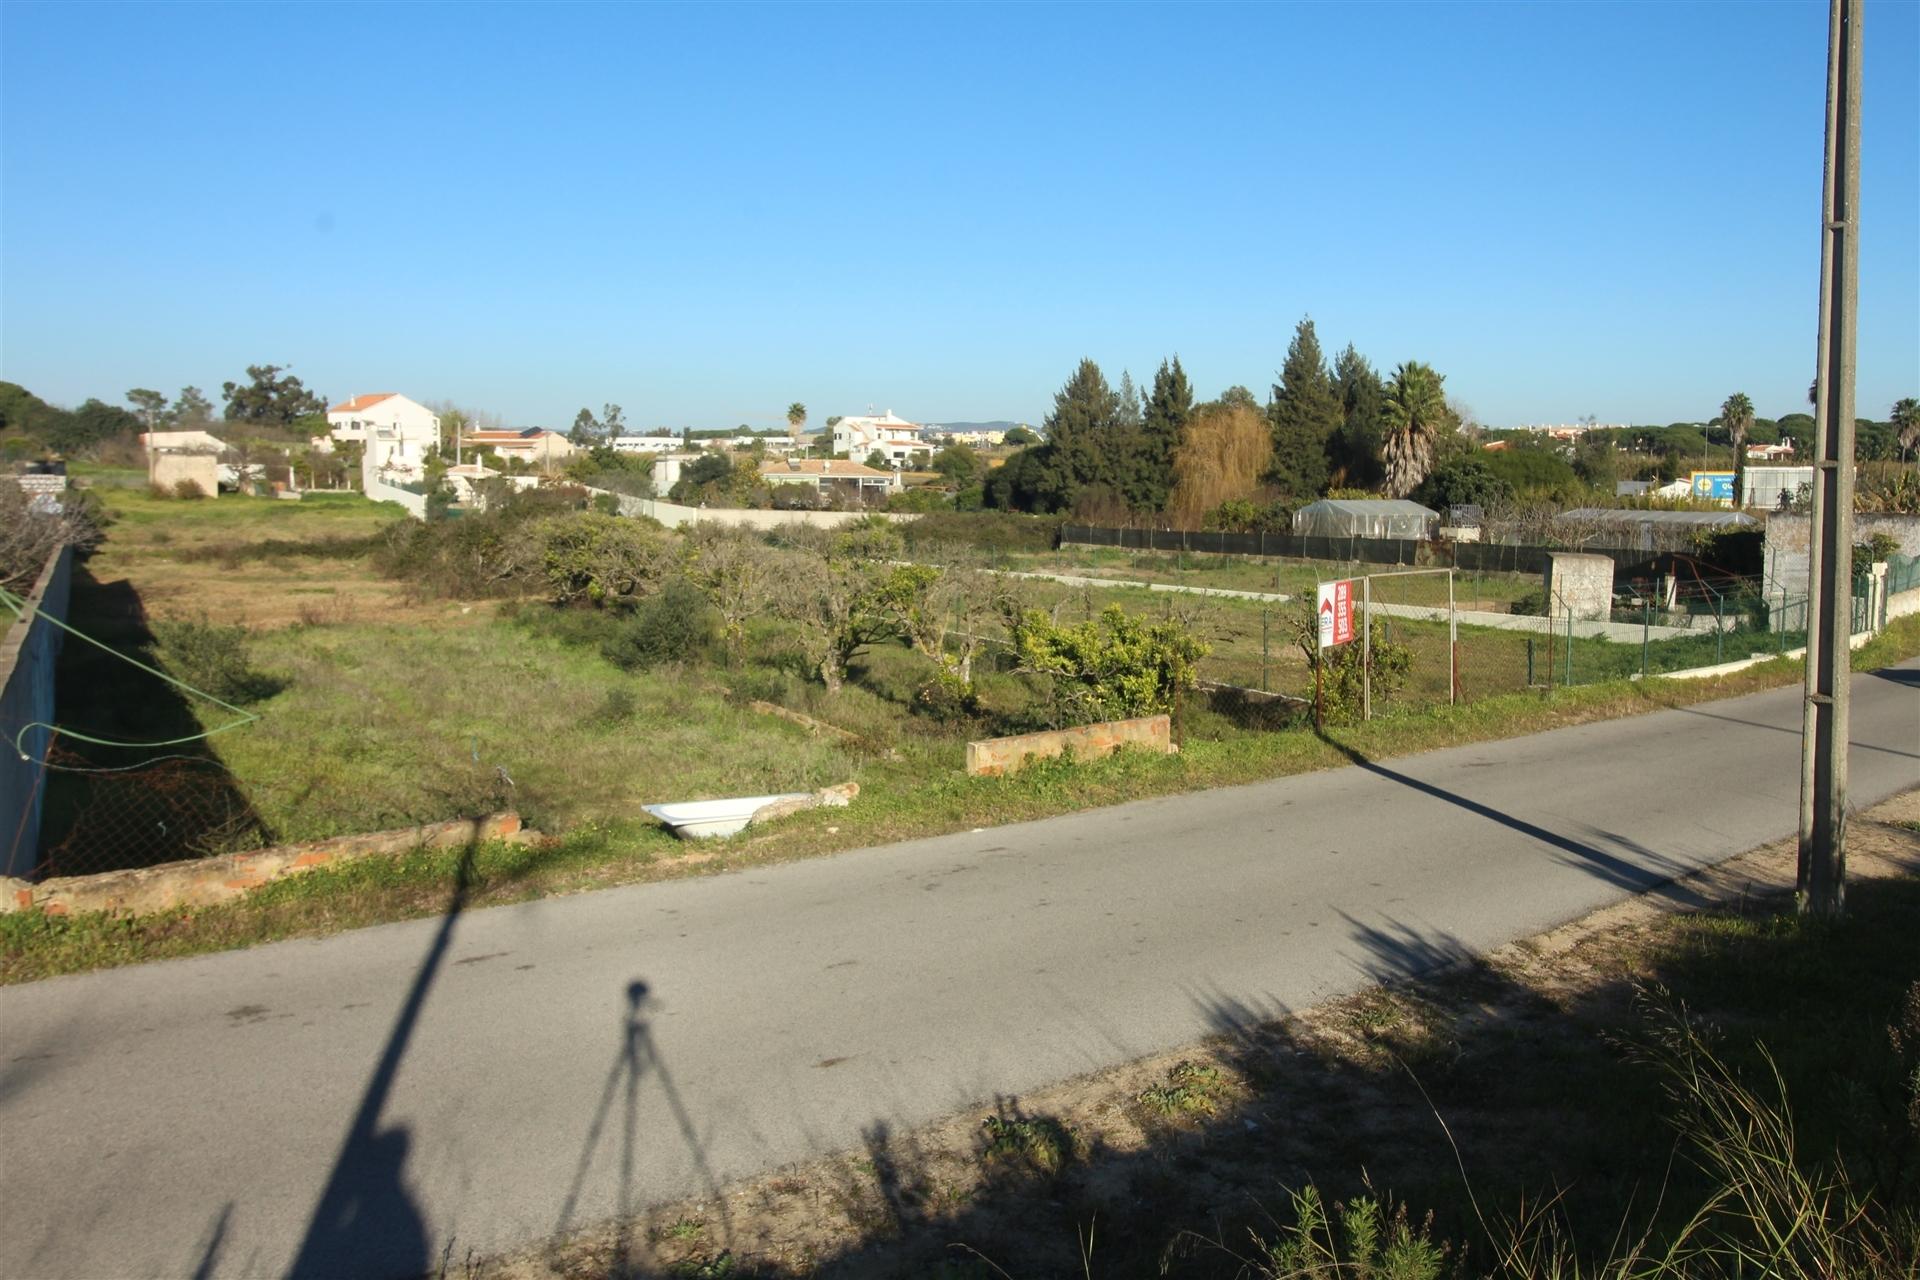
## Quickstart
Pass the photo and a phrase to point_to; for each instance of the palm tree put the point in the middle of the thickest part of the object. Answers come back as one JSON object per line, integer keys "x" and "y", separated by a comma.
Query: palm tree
{"x": 1736, "y": 415}
{"x": 1905, "y": 416}
{"x": 1416, "y": 411}
{"x": 796, "y": 418}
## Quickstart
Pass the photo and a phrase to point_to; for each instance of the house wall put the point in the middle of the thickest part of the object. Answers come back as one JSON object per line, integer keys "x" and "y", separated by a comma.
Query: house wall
{"x": 29, "y": 653}
{"x": 1788, "y": 537}
{"x": 169, "y": 469}
{"x": 406, "y": 420}
{"x": 380, "y": 491}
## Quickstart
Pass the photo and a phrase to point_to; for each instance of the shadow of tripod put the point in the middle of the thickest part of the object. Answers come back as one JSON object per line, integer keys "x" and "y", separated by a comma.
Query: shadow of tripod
{"x": 634, "y": 1058}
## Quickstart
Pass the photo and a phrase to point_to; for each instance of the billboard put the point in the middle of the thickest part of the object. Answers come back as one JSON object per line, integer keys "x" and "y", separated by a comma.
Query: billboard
{"x": 1711, "y": 486}
{"x": 1336, "y": 613}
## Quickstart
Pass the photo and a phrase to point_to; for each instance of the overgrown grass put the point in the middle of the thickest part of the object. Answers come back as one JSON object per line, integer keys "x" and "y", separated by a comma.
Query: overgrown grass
{"x": 384, "y": 726}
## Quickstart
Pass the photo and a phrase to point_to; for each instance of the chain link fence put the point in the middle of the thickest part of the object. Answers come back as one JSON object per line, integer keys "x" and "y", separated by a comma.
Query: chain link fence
{"x": 109, "y": 819}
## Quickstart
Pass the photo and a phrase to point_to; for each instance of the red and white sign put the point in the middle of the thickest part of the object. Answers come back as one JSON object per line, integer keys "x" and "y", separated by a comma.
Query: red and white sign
{"x": 1336, "y": 612}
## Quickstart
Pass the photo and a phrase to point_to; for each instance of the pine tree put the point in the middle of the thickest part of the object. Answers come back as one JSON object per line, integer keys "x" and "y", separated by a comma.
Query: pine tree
{"x": 1356, "y": 451}
{"x": 1169, "y": 406}
{"x": 1128, "y": 417}
{"x": 1304, "y": 414}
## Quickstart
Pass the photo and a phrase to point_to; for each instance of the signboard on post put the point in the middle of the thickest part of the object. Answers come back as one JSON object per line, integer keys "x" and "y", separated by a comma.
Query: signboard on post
{"x": 1712, "y": 486}
{"x": 1336, "y": 613}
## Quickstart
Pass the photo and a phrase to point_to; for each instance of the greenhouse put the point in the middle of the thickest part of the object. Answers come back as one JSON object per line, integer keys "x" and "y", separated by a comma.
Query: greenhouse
{"x": 1365, "y": 518}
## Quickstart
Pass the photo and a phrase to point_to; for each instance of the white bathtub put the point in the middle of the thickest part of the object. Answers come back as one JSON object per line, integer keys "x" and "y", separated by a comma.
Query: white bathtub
{"x": 699, "y": 819}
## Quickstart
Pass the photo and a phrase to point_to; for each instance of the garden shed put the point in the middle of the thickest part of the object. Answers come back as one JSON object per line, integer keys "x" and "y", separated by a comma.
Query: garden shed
{"x": 1365, "y": 518}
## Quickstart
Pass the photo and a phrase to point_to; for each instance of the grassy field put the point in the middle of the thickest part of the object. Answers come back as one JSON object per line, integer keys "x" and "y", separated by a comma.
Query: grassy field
{"x": 261, "y": 562}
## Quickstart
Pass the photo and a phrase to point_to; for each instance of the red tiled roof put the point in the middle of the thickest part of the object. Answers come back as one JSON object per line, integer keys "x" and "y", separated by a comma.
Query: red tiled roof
{"x": 358, "y": 403}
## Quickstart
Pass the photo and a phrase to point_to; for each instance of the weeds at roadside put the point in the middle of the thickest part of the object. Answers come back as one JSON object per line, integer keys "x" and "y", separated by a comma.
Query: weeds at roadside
{"x": 1192, "y": 1088}
{"x": 1029, "y": 1144}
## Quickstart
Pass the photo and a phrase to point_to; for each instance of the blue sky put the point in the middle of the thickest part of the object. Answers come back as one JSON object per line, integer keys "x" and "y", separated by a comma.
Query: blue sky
{"x": 703, "y": 213}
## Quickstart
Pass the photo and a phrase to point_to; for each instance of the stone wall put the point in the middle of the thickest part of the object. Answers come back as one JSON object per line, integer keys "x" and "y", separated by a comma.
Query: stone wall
{"x": 28, "y": 655}
{"x": 1788, "y": 537}
{"x": 1579, "y": 586}
{"x": 205, "y": 882}
{"x": 1084, "y": 742}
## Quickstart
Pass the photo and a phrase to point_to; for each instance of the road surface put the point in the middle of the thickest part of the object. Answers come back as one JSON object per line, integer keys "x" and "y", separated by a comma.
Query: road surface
{"x": 352, "y": 1105}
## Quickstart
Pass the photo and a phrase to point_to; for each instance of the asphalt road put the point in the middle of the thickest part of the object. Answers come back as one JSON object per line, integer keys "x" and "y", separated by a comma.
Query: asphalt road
{"x": 352, "y": 1105}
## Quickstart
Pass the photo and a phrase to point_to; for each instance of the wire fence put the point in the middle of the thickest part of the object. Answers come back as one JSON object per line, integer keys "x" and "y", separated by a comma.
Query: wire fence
{"x": 187, "y": 806}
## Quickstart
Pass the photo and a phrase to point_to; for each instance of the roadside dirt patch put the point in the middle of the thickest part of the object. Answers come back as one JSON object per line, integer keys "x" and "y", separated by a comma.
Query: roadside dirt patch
{"x": 1506, "y": 1065}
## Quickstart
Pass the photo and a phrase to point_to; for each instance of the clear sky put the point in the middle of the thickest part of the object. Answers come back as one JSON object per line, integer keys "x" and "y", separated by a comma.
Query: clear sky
{"x": 703, "y": 213}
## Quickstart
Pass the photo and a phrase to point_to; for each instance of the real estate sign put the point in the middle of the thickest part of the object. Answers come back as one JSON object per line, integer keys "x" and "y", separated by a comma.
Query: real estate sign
{"x": 1336, "y": 613}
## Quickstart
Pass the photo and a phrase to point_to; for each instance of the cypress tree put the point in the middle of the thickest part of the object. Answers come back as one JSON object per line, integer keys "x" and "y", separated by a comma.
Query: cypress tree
{"x": 1169, "y": 406}
{"x": 1356, "y": 451}
{"x": 1304, "y": 413}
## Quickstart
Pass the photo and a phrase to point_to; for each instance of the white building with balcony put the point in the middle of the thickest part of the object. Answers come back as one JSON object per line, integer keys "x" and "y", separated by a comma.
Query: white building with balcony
{"x": 398, "y": 434}
{"x": 893, "y": 438}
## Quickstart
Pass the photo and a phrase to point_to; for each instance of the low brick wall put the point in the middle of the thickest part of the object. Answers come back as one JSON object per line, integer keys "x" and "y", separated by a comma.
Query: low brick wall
{"x": 1084, "y": 742}
{"x": 205, "y": 882}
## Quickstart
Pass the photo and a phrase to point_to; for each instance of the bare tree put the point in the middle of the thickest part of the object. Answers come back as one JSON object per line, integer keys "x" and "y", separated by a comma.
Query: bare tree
{"x": 32, "y": 527}
{"x": 736, "y": 573}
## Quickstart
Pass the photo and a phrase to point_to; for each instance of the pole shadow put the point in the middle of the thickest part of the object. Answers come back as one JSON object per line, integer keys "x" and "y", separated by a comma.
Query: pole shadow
{"x": 366, "y": 1221}
{"x": 1613, "y": 869}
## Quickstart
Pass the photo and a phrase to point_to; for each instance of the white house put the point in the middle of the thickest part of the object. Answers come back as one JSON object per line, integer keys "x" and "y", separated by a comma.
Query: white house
{"x": 896, "y": 439}
{"x": 645, "y": 444}
{"x": 398, "y": 433}
{"x": 831, "y": 475}
{"x": 973, "y": 439}
{"x": 535, "y": 445}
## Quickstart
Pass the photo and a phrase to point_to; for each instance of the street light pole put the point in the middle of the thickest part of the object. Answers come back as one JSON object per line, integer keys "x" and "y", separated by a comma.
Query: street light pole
{"x": 1823, "y": 743}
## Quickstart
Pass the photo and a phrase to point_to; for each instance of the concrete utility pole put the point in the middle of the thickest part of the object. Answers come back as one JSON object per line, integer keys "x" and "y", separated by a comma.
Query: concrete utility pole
{"x": 1823, "y": 743}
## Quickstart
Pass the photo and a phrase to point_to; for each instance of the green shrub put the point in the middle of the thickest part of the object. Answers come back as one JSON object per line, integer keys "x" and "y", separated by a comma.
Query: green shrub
{"x": 673, "y": 625}
{"x": 188, "y": 490}
{"x": 211, "y": 658}
{"x": 596, "y": 557}
{"x": 1112, "y": 667}
{"x": 1344, "y": 667}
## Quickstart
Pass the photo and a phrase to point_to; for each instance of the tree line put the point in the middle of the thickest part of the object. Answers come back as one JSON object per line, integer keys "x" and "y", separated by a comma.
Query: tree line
{"x": 1114, "y": 452}
{"x": 1115, "y": 455}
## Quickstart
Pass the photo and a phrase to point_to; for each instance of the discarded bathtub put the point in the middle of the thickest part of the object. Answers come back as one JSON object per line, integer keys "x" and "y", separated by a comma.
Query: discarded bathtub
{"x": 701, "y": 819}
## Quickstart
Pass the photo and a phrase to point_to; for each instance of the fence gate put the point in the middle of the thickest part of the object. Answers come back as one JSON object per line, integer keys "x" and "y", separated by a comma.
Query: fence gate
{"x": 1409, "y": 640}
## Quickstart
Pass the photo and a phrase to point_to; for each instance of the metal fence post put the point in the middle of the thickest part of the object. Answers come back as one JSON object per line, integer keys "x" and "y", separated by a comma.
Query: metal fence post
{"x": 1646, "y": 628}
{"x": 1568, "y": 682}
{"x": 1366, "y": 647}
{"x": 1266, "y": 616}
{"x": 1529, "y": 662}
{"x": 1453, "y": 646}
{"x": 1719, "y": 630}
